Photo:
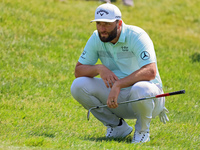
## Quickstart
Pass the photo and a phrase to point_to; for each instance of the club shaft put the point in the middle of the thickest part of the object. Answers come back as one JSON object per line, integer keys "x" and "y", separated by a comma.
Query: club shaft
{"x": 146, "y": 98}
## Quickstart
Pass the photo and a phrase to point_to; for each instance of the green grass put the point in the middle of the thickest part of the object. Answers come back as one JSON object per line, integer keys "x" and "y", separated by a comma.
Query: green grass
{"x": 40, "y": 43}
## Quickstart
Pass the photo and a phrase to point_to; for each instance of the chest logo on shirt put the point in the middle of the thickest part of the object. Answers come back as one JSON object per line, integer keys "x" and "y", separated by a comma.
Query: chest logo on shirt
{"x": 124, "y": 48}
{"x": 145, "y": 55}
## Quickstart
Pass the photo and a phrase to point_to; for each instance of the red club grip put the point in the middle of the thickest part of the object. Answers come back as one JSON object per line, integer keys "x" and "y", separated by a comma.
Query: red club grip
{"x": 172, "y": 93}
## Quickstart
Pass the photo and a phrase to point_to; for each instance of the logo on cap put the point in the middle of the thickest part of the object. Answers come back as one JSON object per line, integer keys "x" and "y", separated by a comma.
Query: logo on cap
{"x": 102, "y": 12}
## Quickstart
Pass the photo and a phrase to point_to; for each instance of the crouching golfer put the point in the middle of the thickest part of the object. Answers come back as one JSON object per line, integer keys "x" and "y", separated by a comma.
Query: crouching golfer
{"x": 128, "y": 71}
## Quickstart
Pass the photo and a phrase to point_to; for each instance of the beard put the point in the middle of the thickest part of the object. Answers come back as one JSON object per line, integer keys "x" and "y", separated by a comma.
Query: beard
{"x": 111, "y": 35}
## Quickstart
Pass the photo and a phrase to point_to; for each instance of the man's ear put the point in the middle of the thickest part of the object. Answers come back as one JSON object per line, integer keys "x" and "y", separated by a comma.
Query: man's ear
{"x": 120, "y": 22}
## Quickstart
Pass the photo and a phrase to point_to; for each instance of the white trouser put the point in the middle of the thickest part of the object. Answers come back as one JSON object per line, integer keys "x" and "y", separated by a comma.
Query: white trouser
{"x": 91, "y": 92}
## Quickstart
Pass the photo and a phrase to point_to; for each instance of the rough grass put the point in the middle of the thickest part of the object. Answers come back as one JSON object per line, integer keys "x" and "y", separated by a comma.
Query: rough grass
{"x": 40, "y": 43}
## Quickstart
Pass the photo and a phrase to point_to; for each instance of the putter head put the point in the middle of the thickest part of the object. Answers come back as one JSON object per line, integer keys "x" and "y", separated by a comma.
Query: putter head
{"x": 88, "y": 114}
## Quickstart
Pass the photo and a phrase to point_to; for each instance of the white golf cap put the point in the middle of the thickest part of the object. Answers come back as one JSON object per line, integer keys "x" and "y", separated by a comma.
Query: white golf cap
{"x": 107, "y": 13}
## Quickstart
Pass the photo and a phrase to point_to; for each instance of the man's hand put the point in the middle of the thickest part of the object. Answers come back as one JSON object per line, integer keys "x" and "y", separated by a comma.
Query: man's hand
{"x": 110, "y": 80}
{"x": 107, "y": 76}
{"x": 113, "y": 96}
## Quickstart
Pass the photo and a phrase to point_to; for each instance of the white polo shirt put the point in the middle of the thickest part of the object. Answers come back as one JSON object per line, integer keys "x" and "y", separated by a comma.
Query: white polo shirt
{"x": 133, "y": 50}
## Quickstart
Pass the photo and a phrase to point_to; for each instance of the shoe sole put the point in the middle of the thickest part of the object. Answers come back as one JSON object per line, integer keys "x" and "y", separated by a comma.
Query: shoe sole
{"x": 133, "y": 142}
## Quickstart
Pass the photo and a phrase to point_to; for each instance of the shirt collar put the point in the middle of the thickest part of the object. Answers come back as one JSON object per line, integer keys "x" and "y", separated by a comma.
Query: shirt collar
{"x": 122, "y": 35}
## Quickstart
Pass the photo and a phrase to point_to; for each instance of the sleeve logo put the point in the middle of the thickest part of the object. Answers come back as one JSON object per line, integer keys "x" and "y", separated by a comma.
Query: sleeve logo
{"x": 145, "y": 55}
{"x": 83, "y": 54}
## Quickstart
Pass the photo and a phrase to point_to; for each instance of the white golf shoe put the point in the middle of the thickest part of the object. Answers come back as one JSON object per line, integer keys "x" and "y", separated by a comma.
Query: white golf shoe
{"x": 141, "y": 137}
{"x": 119, "y": 131}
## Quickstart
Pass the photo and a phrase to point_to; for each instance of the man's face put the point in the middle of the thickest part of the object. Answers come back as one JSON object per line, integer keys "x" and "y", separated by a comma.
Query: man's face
{"x": 107, "y": 31}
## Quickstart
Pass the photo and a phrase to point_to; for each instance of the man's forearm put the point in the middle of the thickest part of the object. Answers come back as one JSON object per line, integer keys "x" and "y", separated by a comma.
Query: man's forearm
{"x": 86, "y": 70}
{"x": 146, "y": 73}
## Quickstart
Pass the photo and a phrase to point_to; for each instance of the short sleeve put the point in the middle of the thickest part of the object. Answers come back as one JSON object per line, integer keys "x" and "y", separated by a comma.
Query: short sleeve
{"x": 89, "y": 55}
{"x": 144, "y": 50}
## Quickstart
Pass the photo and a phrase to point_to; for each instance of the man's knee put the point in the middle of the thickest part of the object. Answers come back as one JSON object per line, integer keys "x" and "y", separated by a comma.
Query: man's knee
{"x": 77, "y": 85}
{"x": 86, "y": 85}
{"x": 141, "y": 89}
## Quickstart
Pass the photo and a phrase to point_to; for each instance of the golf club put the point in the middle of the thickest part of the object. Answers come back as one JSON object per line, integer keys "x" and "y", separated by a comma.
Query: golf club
{"x": 136, "y": 100}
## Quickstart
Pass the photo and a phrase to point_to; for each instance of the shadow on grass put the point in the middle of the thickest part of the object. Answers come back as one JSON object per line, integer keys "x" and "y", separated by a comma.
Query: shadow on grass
{"x": 195, "y": 57}
{"x": 100, "y": 139}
